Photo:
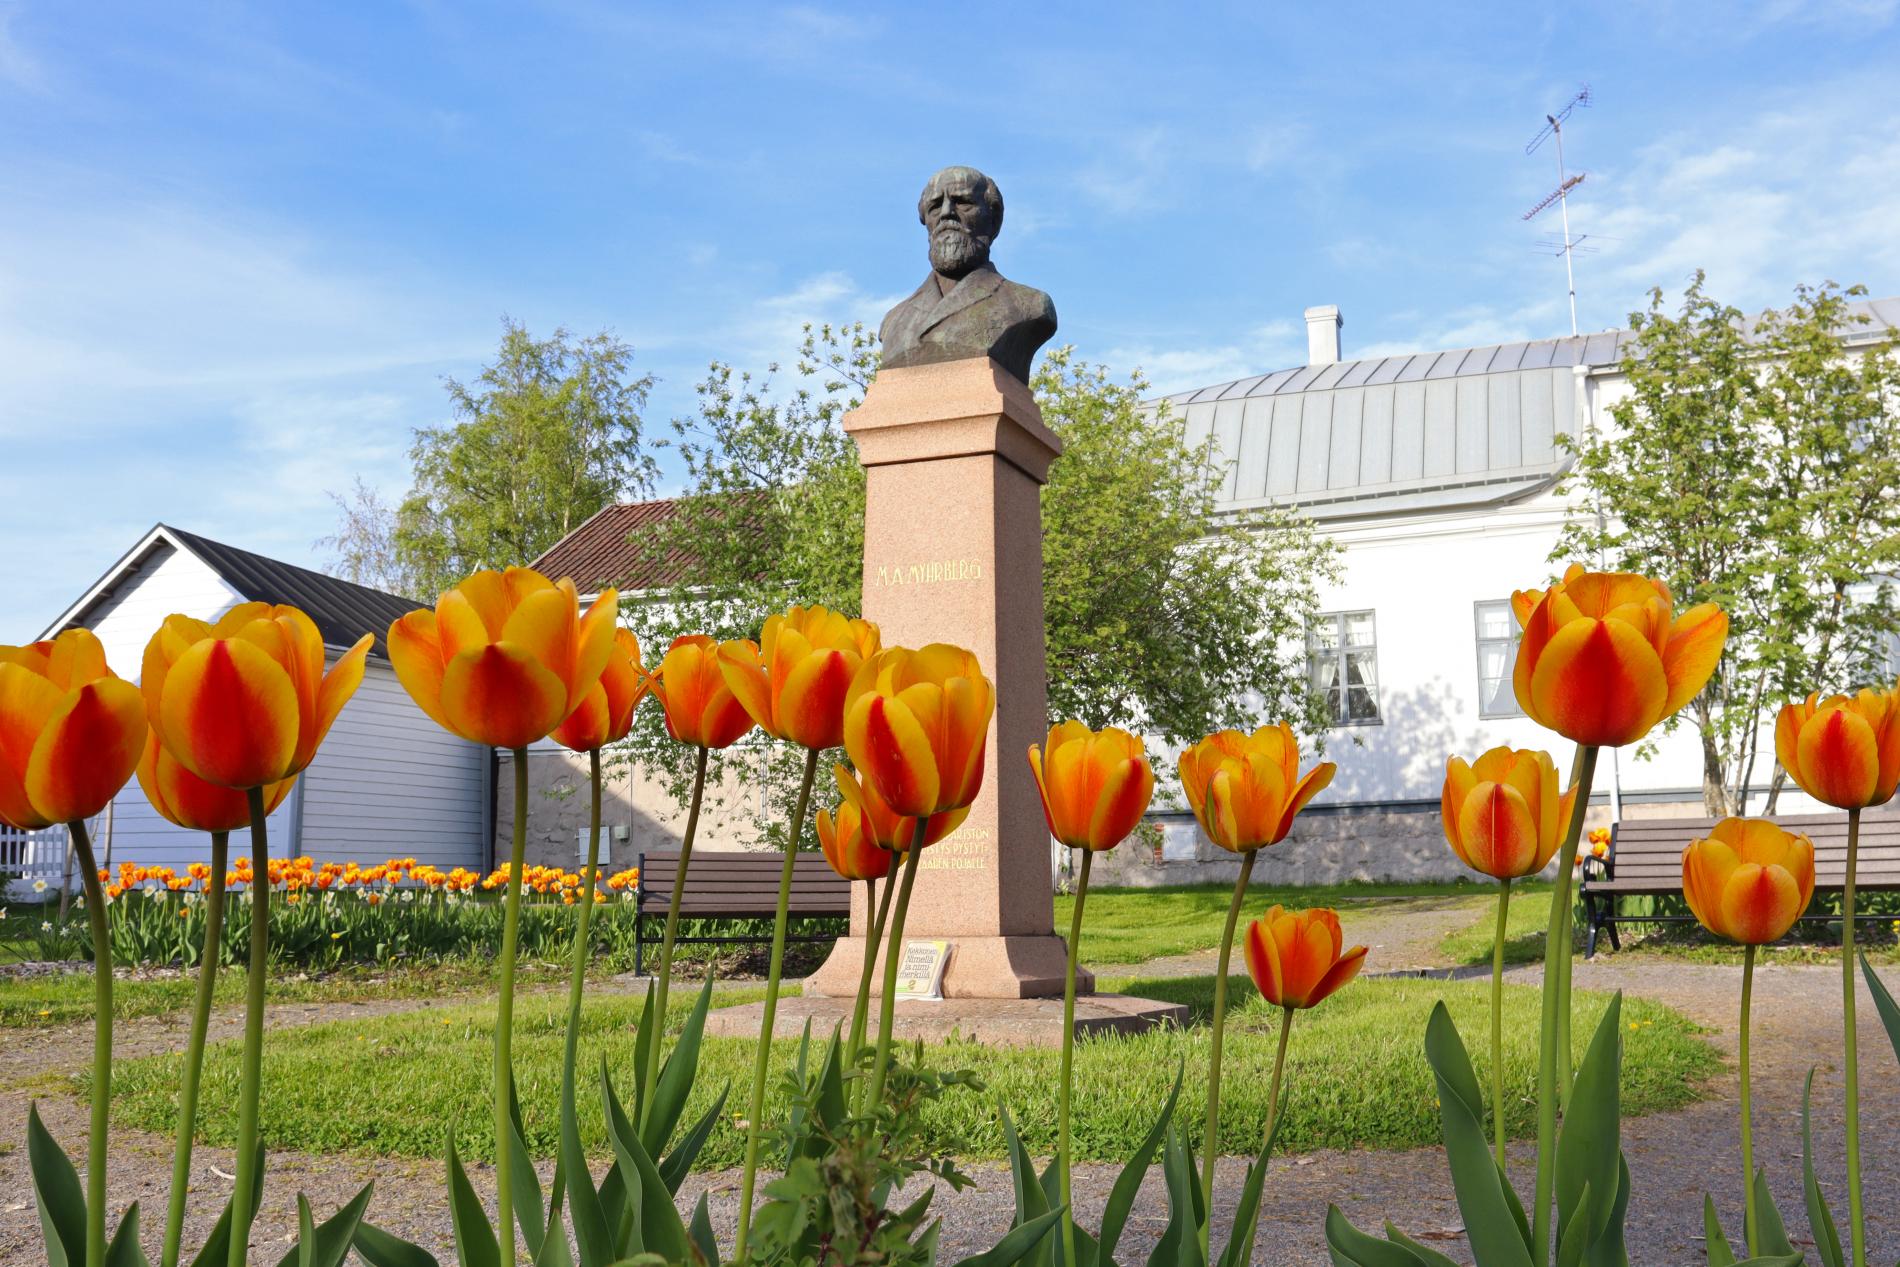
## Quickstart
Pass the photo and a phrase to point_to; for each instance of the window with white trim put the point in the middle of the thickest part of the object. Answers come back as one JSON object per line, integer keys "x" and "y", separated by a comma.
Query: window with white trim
{"x": 1497, "y": 655}
{"x": 1343, "y": 666}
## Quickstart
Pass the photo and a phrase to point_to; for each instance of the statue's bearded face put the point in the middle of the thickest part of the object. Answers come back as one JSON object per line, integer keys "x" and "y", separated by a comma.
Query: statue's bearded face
{"x": 960, "y": 224}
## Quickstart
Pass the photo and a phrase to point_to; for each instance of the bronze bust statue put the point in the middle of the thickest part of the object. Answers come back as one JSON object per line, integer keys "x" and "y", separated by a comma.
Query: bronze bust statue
{"x": 965, "y": 307}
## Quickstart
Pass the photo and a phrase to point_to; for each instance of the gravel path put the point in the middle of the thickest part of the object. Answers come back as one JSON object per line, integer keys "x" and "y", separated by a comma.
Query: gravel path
{"x": 1673, "y": 1157}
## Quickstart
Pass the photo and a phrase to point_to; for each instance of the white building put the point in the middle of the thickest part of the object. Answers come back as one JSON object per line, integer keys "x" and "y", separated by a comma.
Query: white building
{"x": 388, "y": 782}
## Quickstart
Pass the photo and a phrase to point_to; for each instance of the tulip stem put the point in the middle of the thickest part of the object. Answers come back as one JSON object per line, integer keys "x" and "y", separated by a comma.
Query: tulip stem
{"x": 860, "y": 1013}
{"x": 763, "y": 1064}
{"x": 1552, "y": 1031}
{"x": 1210, "y": 1138}
{"x": 577, "y": 977}
{"x": 666, "y": 942}
{"x": 1497, "y": 1019}
{"x": 101, "y": 1043}
{"x": 887, "y": 1004}
{"x": 251, "y": 1060}
{"x": 195, "y": 1048}
{"x": 1068, "y": 1057}
{"x": 1279, "y": 1064}
{"x": 1751, "y": 1223}
{"x": 1850, "y": 1069}
{"x": 505, "y": 1019}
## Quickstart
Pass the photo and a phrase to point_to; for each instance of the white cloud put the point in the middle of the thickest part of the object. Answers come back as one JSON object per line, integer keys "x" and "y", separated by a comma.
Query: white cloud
{"x": 1274, "y": 345}
{"x": 773, "y": 326}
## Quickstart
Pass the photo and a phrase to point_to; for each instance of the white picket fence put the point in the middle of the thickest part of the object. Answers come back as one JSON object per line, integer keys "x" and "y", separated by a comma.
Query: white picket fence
{"x": 27, "y": 856}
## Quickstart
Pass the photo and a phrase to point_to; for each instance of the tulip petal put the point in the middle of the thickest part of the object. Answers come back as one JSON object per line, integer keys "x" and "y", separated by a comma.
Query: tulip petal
{"x": 1120, "y": 803}
{"x": 585, "y": 729}
{"x": 502, "y": 696}
{"x": 745, "y": 678}
{"x": 544, "y": 626}
{"x": 27, "y": 702}
{"x": 1598, "y": 682}
{"x": 594, "y": 639}
{"x": 1500, "y": 836}
{"x": 1263, "y": 959}
{"x": 416, "y": 655}
{"x": 1344, "y": 969}
{"x": 87, "y": 751}
{"x": 229, "y": 713}
{"x": 1313, "y": 784}
{"x": 1691, "y": 654}
{"x": 336, "y": 689}
{"x": 810, "y": 710}
{"x": 1759, "y": 904}
{"x": 892, "y": 751}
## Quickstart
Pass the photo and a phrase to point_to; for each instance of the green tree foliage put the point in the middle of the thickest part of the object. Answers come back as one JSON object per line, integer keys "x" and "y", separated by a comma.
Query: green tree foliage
{"x": 1161, "y": 614}
{"x": 544, "y": 437}
{"x": 1756, "y": 464}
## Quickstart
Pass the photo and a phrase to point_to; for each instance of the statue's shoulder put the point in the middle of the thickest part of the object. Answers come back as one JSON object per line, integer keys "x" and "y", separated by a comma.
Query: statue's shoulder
{"x": 1029, "y": 303}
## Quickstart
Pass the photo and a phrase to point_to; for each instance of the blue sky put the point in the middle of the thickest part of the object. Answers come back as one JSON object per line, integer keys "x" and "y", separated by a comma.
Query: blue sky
{"x": 241, "y": 246}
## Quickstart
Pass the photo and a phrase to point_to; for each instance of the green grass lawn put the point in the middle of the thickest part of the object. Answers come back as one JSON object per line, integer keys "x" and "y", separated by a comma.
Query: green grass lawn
{"x": 394, "y": 1085}
{"x": 1524, "y": 928}
{"x": 66, "y": 997}
{"x": 1131, "y": 926}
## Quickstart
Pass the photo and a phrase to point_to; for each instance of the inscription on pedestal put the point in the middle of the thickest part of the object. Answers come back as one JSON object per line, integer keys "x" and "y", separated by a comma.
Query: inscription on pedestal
{"x": 934, "y": 572}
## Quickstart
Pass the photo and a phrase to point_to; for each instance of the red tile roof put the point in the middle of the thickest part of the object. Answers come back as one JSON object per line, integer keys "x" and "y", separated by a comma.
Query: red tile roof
{"x": 613, "y": 548}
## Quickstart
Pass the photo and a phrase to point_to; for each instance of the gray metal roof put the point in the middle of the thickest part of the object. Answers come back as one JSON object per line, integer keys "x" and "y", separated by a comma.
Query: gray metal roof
{"x": 1417, "y": 431}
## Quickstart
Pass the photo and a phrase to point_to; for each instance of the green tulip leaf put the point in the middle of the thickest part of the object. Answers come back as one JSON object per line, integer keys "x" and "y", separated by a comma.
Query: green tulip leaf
{"x": 679, "y": 1162}
{"x": 593, "y": 1236}
{"x": 1180, "y": 1243}
{"x": 1589, "y": 1145}
{"x": 1883, "y": 1003}
{"x": 643, "y": 1038}
{"x": 1350, "y": 1247}
{"x": 328, "y": 1244}
{"x": 124, "y": 1251}
{"x": 1121, "y": 1197}
{"x": 1827, "y": 1240}
{"x": 1425, "y": 1254}
{"x": 1774, "y": 1235}
{"x": 475, "y": 1243}
{"x": 1490, "y": 1222}
{"x": 658, "y": 1221}
{"x": 1016, "y": 1243}
{"x": 705, "y": 1244}
{"x": 382, "y": 1249}
{"x": 1239, "y": 1248}
{"x": 530, "y": 1212}
{"x": 1575, "y": 1234}
{"x": 675, "y": 1082}
{"x": 1721, "y": 1253}
{"x": 1031, "y": 1202}
{"x": 56, "y": 1190}
{"x": 216, "y": 1251}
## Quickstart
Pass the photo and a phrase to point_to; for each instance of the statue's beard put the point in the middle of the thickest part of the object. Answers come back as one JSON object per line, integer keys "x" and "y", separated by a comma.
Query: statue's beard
{"x": 954, "y": 250}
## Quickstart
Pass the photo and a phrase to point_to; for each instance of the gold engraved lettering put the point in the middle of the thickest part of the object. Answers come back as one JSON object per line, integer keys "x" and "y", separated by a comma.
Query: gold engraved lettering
{"x": 927, "y": 572}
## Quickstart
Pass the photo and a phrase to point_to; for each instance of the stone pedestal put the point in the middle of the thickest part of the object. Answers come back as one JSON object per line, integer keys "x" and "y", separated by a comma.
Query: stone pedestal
{"x": 992, "y": 1022}
{"x": 955, "y": 455}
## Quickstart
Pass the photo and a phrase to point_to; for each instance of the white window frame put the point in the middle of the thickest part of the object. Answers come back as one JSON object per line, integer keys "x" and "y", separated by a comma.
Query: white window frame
{"x": 1314, "y": 653}
{"x": 1485, "y": 707}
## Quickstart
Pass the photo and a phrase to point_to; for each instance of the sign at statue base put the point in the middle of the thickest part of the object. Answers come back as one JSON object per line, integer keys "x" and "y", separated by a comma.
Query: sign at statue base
{"x": 920, "y": 970}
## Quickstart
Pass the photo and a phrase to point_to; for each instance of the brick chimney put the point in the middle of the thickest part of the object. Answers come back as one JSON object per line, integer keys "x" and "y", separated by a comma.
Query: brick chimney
{"x": 1322, "y": 334}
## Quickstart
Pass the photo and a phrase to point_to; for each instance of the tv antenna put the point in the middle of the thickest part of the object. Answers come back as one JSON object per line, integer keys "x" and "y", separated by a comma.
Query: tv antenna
{"x": 1554, "y": 127}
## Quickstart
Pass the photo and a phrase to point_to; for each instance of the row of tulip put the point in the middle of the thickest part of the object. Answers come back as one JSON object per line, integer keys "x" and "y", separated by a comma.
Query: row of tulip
{"x": 397, "y": 877}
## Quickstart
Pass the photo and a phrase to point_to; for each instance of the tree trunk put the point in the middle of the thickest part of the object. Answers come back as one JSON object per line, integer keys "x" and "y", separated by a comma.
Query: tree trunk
{"x": 1715, "y": 797}
{"x": 1774, "y": 790}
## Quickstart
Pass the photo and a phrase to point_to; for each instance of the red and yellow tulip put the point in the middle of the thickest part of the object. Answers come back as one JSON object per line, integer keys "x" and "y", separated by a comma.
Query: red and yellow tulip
{"x": 1245, "y": 790}
{"x": 700, "y": 708}
{"x": 183, "y": 798}
{"x": 605, "y": 713}
{"x": 1748, "y": 880}
{"x": 1843, "y": 750}
{"x": 245, "y": 701}
{"x": 70, "y": 731}
{"x": 792, "y": 682}
{"x": 1604, "y": 657}
{"x": 1296, "y": 958}
{"x": 883, "y": 826}
{"x": 852, "y": 852}
{"x": 1503, "y": 814}
{"x": 1095, "y": 785}
{"x": 916, "y": 724}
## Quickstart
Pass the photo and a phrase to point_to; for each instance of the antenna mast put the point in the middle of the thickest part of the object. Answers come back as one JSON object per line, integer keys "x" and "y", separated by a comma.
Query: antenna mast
{"x": 1554, "y": 127}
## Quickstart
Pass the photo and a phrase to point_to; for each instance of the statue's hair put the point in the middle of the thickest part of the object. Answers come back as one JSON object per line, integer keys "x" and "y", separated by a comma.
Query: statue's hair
{"x": 992, "y": 196}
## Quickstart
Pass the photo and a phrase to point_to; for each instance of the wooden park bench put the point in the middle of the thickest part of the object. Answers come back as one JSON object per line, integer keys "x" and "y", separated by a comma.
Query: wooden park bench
{"x": 736, "y": 885}
{"x": 1645, "y": 860}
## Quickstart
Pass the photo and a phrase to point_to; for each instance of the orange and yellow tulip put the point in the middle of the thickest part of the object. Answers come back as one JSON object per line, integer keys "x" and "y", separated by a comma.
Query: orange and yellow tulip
{"x": 793, "y": 680}
{"x": 183, "y": 798}
{"x": 605, "y": 713}
{"x": 916, "y": 724}
{"x": 882, "y": 826}
{"x": 1296, "y": 957}
{"x": 700, "y": 708}
{"x": 1604, "y": 658}
{"x": 505, "y": 656}
{"x": 852, "y": 852}
{"x": 1843, "y": 750}
{"x": 1095, "y": 785}
{"x": 244, "y": 701}
{"x": 1748, "y": 880}
{"x": 1246, "y": 789}
{"x": 1503, "y": 814}
{"x": 70, "y": 731}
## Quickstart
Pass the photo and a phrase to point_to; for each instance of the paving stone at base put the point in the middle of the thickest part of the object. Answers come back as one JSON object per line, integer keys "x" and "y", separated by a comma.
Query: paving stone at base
{"x": 995, "y": 1022}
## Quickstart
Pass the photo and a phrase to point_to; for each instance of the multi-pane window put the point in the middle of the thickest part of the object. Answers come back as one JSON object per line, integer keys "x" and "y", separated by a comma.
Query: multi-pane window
{"x": 1497, "y": 653}
{"x": 1343, "y": 665}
